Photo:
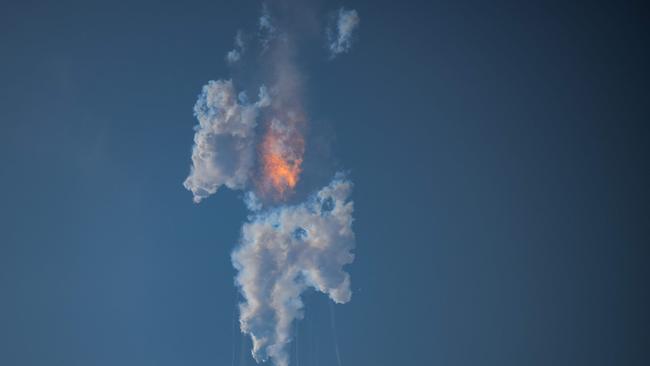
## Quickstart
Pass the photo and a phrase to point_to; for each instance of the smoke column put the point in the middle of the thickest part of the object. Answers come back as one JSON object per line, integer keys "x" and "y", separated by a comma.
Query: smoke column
{"x": 289, "y": 243}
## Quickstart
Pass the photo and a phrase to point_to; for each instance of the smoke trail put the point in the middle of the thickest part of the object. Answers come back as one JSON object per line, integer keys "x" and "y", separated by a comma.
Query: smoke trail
{"x": 340, "y": 34}
{"x": 334, "y": 336}
{"x": 259, "y": 147}
{"x": 297, "y": 345}
{"x": 237, "y": 52}
{"x": 285, "y": 251}
{"x": 243, "y": 353}
{"x": 312, "y": 351}
{"x": 234, "y": 321}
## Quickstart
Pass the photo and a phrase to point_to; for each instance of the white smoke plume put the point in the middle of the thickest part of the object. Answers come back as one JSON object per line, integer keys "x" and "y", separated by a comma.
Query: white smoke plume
{"x": 224, "y": 151}
{"x": 285, "y": 251}
{"x": 340, "y": 34}
{"x": 236, "y": 53}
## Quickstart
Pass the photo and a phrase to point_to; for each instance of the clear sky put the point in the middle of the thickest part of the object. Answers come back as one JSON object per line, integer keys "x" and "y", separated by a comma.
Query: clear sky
{"x": 498, "y": 150}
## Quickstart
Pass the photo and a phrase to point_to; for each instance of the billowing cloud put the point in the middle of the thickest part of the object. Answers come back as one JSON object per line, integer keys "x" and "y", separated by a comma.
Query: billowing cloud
{"x": 282, "y": 253}
{"x": 237, "y": 52}
{"x": 223, "y": 151}
{"x": 340, "y": 34}
{"x": 259, "y": 147}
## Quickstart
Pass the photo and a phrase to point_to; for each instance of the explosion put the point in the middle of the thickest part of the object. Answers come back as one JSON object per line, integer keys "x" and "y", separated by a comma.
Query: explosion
{"x": 286, "y": 246}
{"x": 281, "y": 154}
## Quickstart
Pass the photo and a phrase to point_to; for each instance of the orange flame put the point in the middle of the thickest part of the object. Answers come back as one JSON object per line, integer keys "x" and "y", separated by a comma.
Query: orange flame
{"x": 281, "y": 152}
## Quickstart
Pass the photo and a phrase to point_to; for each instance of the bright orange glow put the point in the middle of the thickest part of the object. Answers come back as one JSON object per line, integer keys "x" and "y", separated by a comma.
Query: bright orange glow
{"x": 281, "y": 154}
{"x": 283, "y": 174}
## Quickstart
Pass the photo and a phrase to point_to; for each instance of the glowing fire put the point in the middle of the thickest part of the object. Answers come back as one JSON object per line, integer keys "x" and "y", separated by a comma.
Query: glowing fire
{"x": 281, "y": 153}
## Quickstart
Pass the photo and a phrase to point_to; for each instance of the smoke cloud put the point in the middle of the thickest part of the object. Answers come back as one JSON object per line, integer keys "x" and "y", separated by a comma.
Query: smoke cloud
{"x": 259, "y": 147}
{"x": 236, "y": 53}
{"x": 285, "y": 251}
{"x": 340, "y": 34}
{"x": 223, "y": 152}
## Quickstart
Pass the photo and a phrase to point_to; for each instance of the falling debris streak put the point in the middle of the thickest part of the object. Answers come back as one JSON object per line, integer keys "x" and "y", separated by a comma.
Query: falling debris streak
{"x": 313, "y": 344}
{"x": 234, "y": 323}
{"x": 242, "y": 354}
{"x": 297, "y": 345}
{"x": 336, "y": 342}
{"x": 310, "y": 339}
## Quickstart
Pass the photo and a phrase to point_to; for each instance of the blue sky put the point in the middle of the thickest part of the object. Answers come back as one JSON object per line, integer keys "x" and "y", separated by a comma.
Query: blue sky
{"x": 497, "y": 150}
